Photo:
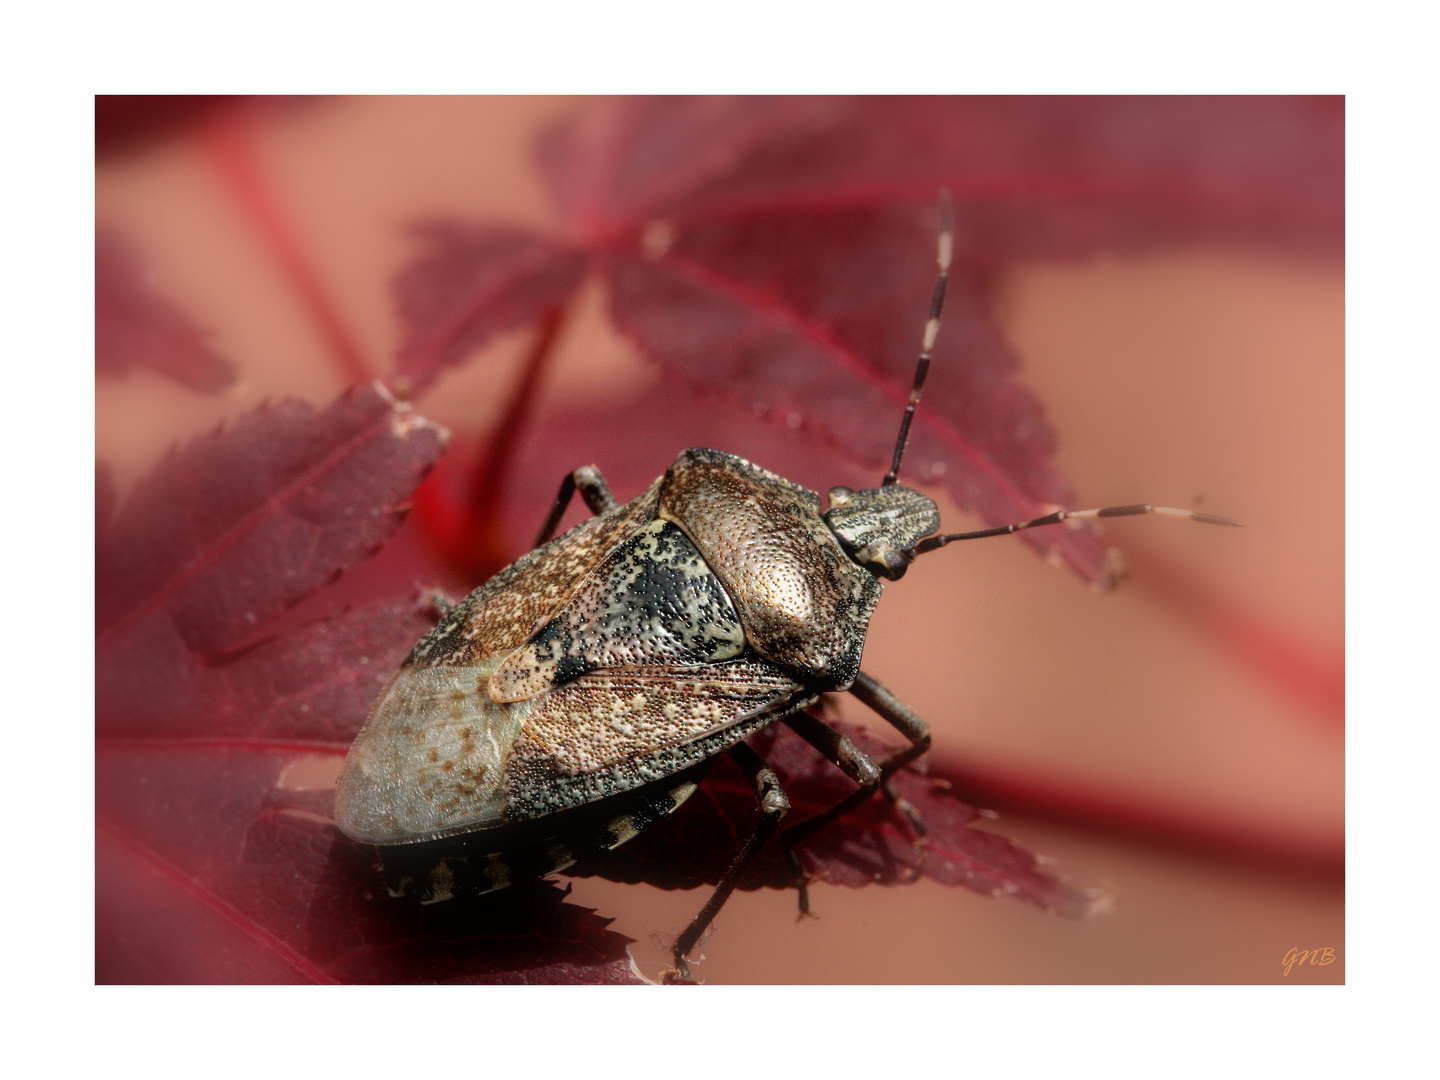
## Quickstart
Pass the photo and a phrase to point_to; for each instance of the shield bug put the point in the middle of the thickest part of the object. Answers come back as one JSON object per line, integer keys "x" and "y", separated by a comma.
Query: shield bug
{"x": 581, "y": 692}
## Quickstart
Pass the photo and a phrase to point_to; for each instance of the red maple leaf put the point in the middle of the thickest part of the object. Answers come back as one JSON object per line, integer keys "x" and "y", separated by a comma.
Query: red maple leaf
{"x": 135, "y": 327}
{"x": 778, "y": 253}
{"x": 212, "y": 865}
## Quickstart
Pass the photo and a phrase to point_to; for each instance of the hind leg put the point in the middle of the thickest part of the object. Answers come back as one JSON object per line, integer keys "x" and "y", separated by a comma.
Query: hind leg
{"x": 774, "y": 805}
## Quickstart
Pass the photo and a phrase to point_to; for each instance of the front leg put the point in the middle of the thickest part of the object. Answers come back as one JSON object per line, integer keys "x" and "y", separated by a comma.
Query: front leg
{"x": 899, "y": 715}
{"x": 850, "y": 760}
{"x": 593, "y": 489}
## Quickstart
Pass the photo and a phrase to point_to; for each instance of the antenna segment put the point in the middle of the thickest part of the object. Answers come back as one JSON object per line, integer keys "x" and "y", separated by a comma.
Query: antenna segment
{"x": 932, "y": 331}
{"x": 1058, "y": 516}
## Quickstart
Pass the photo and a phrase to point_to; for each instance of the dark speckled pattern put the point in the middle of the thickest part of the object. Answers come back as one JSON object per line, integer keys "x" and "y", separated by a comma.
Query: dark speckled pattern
{"x": 504, "y": 612}
{"x": 653, "y": 601}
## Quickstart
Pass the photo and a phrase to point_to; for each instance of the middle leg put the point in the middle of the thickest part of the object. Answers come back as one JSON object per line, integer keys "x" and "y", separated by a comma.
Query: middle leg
{"x": 899, "y": 716}
{"x": 867, "y": 774}
{"x": 850, "y": 760}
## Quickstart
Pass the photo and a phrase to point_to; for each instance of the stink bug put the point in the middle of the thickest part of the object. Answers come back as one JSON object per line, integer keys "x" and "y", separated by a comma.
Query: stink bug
{"x": 582, "y": 691}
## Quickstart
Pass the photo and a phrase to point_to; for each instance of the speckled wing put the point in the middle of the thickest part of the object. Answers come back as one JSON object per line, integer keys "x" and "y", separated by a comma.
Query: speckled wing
{"x": 430, "y": 759}
{"x": 612, "y": 731}
{"x": 504, "y": 612}
{"x": 653, "y": 600}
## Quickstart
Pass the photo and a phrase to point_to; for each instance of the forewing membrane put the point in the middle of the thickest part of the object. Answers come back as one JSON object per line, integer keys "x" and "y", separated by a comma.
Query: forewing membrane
{"x": 430, "y": 759}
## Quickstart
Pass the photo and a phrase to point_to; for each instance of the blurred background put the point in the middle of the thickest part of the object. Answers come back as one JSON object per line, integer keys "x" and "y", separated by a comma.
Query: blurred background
{"x": 1177, "y": 741}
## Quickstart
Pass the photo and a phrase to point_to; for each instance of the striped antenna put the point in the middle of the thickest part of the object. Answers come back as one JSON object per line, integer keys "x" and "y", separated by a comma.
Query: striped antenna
{"x": 1058, "y": 516}
{"x": 932, "y": 330}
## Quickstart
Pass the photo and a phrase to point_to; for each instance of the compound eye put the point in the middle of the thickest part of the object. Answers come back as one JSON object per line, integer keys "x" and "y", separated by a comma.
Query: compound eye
{"x": 883, "y": 560}
{"x": 839, "y": 496}
{"x": 895, "y": 564}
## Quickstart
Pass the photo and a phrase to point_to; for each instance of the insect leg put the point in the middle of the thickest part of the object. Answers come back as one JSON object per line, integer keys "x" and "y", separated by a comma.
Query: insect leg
{"x": 853, "y": 762}
{"x": 899, "y": 716}
{"x": 593, "y": 489}
{"x": 774, "y": 805}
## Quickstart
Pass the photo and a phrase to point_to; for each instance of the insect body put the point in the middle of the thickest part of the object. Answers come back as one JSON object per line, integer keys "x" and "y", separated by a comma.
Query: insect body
{"x": 581, "y": 692}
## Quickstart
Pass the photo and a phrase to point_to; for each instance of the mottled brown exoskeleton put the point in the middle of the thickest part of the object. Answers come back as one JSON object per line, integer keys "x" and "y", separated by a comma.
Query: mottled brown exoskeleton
{"x": 581, "y": 692}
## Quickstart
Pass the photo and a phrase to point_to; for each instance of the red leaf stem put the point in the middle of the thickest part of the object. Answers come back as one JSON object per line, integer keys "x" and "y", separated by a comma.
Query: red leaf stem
{"x": 230, "y": 144}
{"x": 1157, "y": 820}
{"x": 491, "y": 470}
{"x": 1309, "y": 674}
{"x": 470, "y": 531}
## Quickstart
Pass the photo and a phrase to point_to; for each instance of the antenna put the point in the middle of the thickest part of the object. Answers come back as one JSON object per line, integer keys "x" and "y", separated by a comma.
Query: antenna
{"x": 933, "y": 542}
{"x": 932, "y": 330}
